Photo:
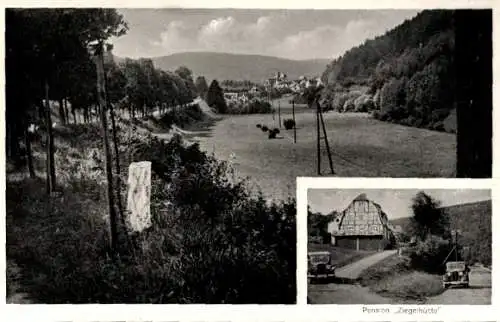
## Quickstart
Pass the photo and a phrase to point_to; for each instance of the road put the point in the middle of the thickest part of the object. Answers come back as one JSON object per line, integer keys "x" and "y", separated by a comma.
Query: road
{"x": 353, "y": 270}
{"x": 479, "y": 293}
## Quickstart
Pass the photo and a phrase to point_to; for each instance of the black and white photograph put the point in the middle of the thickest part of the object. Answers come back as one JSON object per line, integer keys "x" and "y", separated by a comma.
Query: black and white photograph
{"x": 152, "y": 154}
{"x": 391, "y": 246}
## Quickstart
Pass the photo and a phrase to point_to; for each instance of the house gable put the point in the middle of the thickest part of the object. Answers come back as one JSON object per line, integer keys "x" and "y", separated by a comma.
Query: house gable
{"x": 361, "y": 218}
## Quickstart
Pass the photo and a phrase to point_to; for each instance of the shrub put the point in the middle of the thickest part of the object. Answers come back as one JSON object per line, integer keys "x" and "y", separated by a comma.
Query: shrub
{"x": 428, "y": 255}
{"x": 289, "y": 124}
{"x": 259, "y": 126}
{"x": 264, "y": 128}
{"x": 276, "y": 130}
{"x": 272, "y": 134}
{"x": 210, "y": 242}
{"x": 255, "y": 106}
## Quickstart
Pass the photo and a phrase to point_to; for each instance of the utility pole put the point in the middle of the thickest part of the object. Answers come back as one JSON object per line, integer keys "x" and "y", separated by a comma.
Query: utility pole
{"x": 279, "y": 113}
{"x": 294, "y": 123}
{"x": 101, "y": 96}
{"x": 320, "y": 120}
{"x": 318, "y": 138}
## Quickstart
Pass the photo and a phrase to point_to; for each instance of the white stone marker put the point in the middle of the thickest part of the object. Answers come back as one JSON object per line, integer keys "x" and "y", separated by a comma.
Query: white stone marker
{"x": 139, "y": 195}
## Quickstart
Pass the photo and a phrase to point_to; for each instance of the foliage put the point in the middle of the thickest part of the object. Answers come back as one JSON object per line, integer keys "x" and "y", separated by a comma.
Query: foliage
{"x": 429, "y": 254}
{"x": 211, "y": 241}
{"x": 428, "y": 218}
{"x": 254, "y": 106}
{"x": 317, "y": 224}
{"x": 289, "y": 124}
{"x": 215, "y": 97}
{"x": 201, "y": 86}
{"x": 409, "y": 70}
{"x": 264, "y": 128}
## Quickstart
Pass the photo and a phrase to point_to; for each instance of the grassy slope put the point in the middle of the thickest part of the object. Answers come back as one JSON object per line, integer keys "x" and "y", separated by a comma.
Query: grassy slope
{"x": 393, "y": 278}
{"x": 255, "y": 68}
{"x": 340, "y": 256}
{"x": 69, "y": 224}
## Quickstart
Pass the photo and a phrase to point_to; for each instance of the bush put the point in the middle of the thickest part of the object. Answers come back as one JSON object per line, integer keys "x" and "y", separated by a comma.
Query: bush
{"x": 428, "y": 255}
{"x": 289, "y": 124}
{"x": 272, "y": 134}
{"x": 264, "y": 128}
{"x": 276, "y": 130}
{"x": 210, "y": 242}
{"x": 259, "y": 126}
{"x": 255, "y": 106}
{"x": 182, "y": 117}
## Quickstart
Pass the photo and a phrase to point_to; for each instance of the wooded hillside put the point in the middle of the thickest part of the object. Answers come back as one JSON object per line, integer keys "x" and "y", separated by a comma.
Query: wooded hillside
{"x": 405, "y": 76}
{"x": 474, "y": 222}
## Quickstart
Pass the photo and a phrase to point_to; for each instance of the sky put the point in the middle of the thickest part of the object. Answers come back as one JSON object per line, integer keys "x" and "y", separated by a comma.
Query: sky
{"x": 293, "y": 34}
{"x": 395, "y": 203}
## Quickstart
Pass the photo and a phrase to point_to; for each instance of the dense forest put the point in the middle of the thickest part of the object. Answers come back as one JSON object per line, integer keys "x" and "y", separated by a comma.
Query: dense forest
{"x": 405, "y": 76}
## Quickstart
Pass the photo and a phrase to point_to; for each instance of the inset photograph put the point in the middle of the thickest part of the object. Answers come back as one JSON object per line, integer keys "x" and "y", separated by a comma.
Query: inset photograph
{"x": 393, "y": 246}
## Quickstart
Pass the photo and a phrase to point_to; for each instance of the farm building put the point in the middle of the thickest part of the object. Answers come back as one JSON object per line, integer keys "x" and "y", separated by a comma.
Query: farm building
{"x": 363, "y": 225}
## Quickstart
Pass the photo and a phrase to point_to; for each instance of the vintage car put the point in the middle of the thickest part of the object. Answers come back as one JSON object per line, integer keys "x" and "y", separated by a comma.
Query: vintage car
{"x": 457, "y": 273}
{"x": 319, "y": 265}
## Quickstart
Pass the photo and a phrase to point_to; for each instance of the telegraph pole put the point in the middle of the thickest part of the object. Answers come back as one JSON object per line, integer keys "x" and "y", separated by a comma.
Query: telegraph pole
{"x": 294, "y": 123}
{"x": 318, "y": 138}
{"x": 279, "y": 113}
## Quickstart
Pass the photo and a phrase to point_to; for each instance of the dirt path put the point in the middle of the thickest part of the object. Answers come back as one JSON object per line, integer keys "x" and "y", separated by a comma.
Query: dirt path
{"x": 353, "y": 270}
{"x": 479, "y": 292}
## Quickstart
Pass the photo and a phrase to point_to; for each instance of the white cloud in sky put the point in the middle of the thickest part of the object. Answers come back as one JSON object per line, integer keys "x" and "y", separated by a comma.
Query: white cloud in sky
{"x": 267, "y": 35}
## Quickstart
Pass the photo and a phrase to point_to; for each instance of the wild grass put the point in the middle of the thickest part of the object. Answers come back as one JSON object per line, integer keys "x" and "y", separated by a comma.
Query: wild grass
{"x": 394, "y": 278}
{"x": 211, "y": 240}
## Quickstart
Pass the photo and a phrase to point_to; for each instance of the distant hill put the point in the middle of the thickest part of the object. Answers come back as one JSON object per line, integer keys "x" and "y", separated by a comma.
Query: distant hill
{"x": 254, "y": 68}
{"x": 474, "y": 222}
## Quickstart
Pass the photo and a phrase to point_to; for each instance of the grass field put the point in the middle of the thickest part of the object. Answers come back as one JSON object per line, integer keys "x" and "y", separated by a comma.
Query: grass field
{"x": 361, "y": 147}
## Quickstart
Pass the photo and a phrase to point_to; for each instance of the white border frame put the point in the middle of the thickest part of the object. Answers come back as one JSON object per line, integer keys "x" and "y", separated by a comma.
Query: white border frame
{"x": 355, "y": 312}
{"x": 301, "y": 311}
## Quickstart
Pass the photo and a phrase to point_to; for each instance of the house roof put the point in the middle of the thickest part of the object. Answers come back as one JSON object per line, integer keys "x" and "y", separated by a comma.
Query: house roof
{"x": 361, "y": 197}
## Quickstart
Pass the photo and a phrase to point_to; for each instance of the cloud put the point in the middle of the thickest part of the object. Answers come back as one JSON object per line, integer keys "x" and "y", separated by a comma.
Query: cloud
{"x": 269, "y": 35}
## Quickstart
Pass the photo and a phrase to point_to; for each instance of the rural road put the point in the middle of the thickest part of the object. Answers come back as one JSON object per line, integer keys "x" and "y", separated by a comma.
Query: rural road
{"x": 479, "y": 292}
{"x": 353, "y": 270}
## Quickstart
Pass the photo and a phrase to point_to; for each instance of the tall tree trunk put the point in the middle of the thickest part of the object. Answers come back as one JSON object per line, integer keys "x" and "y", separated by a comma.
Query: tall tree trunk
{"x": 107, "y": 154}
{"x": 115, "y": 146}
{"x": 29, "y": 154}
{"x": 50, "y": 169}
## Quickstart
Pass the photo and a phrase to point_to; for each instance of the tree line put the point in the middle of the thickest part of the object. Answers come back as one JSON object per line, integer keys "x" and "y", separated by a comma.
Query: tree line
{"x": 409, "y": 71}
{"x": 49, "y": 59}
